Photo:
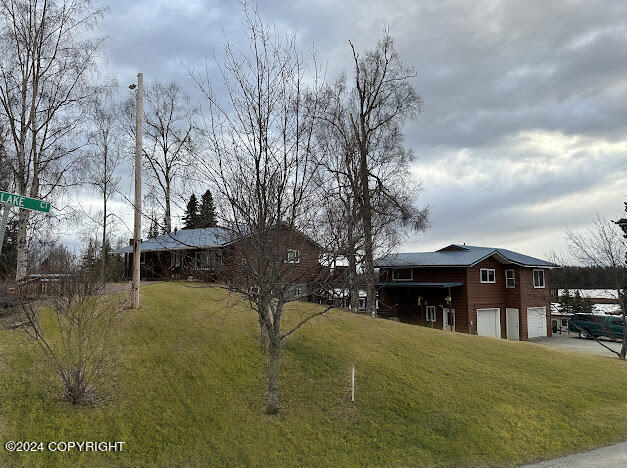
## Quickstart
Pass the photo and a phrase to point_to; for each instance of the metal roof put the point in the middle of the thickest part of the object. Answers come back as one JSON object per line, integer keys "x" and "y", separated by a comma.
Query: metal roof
{"x": 184, "y": 239}
{"x": 466, "y": 256}
{"x": 407, "y": 284}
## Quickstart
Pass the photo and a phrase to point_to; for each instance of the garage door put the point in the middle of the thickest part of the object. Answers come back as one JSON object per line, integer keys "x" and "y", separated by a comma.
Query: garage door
{"x": 489, "y": 322}
{"x": 536, "y": 321}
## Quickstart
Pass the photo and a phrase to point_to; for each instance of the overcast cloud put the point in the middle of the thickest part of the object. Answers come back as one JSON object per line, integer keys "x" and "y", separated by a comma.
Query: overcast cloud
{"x": 524, "y": 126}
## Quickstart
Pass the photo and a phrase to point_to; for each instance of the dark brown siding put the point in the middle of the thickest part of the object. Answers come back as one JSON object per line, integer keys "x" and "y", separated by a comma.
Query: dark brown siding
{"x": 534, "y": 297}
{"x": 403, "y": 302}
{"x": 307, "y": 270}
{"x": 522, "y": 296}
{"x": 467, "y": 299}
{"x": 488, "y": 295}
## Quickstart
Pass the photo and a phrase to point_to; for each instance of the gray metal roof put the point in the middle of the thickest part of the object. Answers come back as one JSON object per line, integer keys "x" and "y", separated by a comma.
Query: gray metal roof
{"x": 408, "y": 284}
{"x": 468, "y": 255}
{"x": 184, "y": 239}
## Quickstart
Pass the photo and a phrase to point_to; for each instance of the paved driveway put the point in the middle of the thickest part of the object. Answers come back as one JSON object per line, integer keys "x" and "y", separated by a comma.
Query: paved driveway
{"x": 574, "y": 343}
{"x": 606, "y": 457}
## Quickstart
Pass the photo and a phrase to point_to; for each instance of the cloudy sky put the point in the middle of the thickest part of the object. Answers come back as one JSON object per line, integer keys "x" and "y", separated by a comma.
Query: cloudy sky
{"x": 524, "y": 129}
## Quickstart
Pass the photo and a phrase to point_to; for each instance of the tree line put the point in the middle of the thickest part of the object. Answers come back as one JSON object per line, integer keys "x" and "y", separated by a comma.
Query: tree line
{"x": 583, "y": 277}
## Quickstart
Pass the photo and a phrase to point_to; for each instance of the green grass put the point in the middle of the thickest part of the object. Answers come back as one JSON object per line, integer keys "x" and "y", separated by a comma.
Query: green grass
{"x": 191, "y": 392}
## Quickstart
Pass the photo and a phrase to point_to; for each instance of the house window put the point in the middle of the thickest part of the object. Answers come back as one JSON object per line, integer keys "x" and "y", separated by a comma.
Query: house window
{"x": 430, "y": 313}
{"x": 293, "y": 256}
{"x": 510, "y": 279}
{"x": 402, "y": 274}
{"x": 297, "y": 292}
{"x": 488, "y": 275}
{"x": 202, "y": 260}
{"x": 538, "y": 278}
{"x": 177, "y": 259}
{"x": 142, "y": 258}
{"x": 208, "y": 259}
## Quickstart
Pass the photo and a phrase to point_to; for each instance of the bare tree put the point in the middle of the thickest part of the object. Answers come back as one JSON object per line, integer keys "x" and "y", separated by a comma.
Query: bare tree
{"x": 45, "y": 58}
{"x": 368, "y": 119}
{"x": 5, "y": 171}
{"x": 262, "y": 170}
{"x": 382, "y": 98}
{"x": 105, "y": 157}
{"x": 338, "y": 185}
{"x": 77, "y": 344}
{"x": 603, "y": 245}
{"x": 169, "y": 138}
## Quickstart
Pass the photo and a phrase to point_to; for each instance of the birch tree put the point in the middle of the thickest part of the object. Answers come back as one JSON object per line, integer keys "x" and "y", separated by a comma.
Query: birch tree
{"x": 47, "y": 51}
{"x": 339, "y": 184}
{"x": 104, "y": 158}
{"x": 382, "y": 99}
{"x": 5, "y": 171}
{"x": 367, "y": 119}
{"x": 169, "y": 139}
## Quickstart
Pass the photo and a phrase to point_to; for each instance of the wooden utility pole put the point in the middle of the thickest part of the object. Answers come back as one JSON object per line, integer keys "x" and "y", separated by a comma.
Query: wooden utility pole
{"x": 138, "y": 193}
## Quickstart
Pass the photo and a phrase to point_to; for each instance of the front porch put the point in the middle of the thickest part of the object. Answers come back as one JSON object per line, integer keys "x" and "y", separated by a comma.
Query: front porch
{"x": 430, "y": 304}
{"x": 203, "y": 264}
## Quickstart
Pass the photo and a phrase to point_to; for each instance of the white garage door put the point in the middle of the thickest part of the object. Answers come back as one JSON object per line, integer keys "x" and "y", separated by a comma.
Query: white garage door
{"x": 489, "y": 322}
{"x": 536, "y": 321}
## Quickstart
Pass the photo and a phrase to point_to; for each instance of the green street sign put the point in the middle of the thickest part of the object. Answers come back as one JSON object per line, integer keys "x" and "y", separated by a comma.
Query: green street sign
{"x": 13, "y": 199}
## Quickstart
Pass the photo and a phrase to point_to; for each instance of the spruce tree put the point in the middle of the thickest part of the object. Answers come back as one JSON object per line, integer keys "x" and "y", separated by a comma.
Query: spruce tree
{"x": 566, "y": 302}
{"x": 164, "y": 229}
{"x": 581, "y": 305}
{"x": 154, "y": 229}
{"x": 191, "y": 217}
{"x": 207, "y": 213}
{"x": 89, "y": 261}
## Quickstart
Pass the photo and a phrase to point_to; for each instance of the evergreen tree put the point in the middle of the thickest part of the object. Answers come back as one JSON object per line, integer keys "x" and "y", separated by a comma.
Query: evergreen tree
{"x": 207, "y": 213}
{"x": 191, "y": 217}
{"x": 8, "y": 256}
{"x": 566, "y": 302}
{"x": 154, "y": 229}
{"x": 90, "y": 259}
{"x": 581, "y": 305}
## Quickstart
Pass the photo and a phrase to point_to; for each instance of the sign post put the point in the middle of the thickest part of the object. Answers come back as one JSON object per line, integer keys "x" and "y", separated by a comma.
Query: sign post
{"x": 3, "y": 225}
{"x": 7, "y": 200}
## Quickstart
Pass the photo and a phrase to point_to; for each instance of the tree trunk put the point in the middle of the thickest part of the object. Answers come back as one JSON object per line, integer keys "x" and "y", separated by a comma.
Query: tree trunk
{"x": 353, "y": 288}
{"x": 366, "y": 214}
{"x": 103, "y": 259}
{"x": 623, "y": 349}
{"x": 22, "y": 245}
{"x": 273, "y": 376}
{"x": 263, "y": 336}
{"x": 168, "y": 208}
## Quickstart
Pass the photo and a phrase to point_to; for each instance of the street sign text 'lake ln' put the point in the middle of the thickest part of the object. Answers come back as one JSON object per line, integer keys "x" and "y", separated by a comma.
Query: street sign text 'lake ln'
{"x": 12, "y": 199}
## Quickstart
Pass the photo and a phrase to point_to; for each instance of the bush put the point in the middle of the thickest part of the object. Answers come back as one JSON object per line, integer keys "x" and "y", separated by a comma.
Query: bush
{"x": 73, "y": 329}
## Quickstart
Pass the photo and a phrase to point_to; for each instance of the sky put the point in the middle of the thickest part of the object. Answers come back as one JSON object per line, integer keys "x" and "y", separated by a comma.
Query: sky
{"x": 524, "y": 127}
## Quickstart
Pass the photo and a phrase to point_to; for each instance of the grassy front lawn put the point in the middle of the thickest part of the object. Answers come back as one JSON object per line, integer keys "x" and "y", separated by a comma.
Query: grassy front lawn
{"x": 191, "y": 391}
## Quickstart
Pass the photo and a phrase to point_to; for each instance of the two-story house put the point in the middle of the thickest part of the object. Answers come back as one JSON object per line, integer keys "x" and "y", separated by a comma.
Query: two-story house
{"x": 479, "y": 290}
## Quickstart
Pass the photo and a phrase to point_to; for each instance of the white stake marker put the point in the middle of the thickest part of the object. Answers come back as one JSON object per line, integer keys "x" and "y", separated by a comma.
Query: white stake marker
{"x": 353, "y": 386}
